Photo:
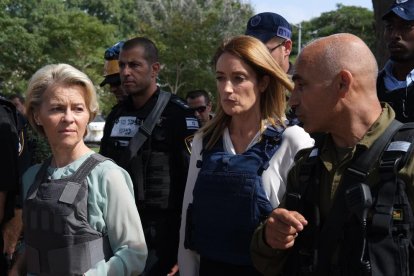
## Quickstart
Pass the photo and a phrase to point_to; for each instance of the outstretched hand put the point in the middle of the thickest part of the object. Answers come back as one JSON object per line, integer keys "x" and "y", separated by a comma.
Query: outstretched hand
{"x": 282, "y": 227}
{"x": 173, "y": 271}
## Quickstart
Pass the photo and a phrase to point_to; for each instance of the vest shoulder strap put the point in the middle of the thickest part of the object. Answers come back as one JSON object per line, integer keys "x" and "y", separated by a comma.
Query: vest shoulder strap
{"x": 87, "y": 166}
{"x": 77, "y": 177}
{"x": 147, "y": 127}
{"x": 267, "y": 147}
{"x": 394, "y": 158}
{"x": 306, "y": 176}
{"x": 356, "y": 174}
{"x": 31, "y": 193}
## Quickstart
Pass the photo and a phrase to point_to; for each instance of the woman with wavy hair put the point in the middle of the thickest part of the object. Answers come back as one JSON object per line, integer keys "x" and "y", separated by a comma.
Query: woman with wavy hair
{"x": 239, "y": 161}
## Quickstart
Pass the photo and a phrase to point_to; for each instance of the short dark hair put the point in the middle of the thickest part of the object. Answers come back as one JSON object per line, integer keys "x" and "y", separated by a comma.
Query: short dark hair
{"x": 150, "y": 50}
{"x": 18, "y": 96}
{"x": 197, "y": 93}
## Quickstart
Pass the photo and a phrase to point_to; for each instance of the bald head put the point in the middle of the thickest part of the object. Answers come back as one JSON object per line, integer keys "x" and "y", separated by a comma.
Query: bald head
{"x": 335, "y": 88}
{"x": 343, "y": 52}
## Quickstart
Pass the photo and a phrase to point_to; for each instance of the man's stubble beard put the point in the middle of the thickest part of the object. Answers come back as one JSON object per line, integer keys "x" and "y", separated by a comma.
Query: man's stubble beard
{"x": 408, "y": 57}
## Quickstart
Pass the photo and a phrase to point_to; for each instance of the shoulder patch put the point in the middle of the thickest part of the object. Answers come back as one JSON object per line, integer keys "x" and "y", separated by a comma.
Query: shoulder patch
{"x": 192, "y": 123}
{"x": 306, "y": 153}
{"x": 189, "y": 142}
{"x": 21, "y": 142}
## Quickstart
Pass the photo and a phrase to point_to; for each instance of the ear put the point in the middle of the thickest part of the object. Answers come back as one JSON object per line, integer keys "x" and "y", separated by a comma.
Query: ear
{"x": 156, "y": 67}
{"x": 36, "y": 119}
{"x": 209, "y": 106}
{"x": 288, "y": 47}
{"x": 263, "y": 83}
{"x": 344, "y": 80}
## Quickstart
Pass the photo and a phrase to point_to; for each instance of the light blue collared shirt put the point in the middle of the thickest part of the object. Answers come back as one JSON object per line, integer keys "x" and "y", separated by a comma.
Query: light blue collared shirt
{"x": 391, "y": 83}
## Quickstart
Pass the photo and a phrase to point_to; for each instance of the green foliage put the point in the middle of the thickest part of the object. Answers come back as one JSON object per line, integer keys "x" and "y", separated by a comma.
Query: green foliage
{"x": 187, "y": 33}
{"x": 36, "y": 33}
{"x": 350, "y": 19}
{"x": 38, "y": 146}
{"x": 120, "y": 13}
{"x": 39, "y": 32}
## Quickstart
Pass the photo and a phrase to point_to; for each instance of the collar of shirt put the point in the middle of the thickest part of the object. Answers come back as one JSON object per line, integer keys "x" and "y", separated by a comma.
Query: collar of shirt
{"x": 334, "y": 167}
{"x": 391, "y": 83}
{"x": 373, "y": 133}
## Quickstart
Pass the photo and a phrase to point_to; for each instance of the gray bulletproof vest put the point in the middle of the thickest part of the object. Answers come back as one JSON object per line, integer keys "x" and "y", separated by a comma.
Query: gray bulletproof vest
{"x": 59, "y": 239}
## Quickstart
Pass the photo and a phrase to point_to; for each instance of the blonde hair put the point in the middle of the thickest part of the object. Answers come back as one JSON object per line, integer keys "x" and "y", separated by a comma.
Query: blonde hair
{"x": 273, "y": 100}
{"x": 57, "y": 75}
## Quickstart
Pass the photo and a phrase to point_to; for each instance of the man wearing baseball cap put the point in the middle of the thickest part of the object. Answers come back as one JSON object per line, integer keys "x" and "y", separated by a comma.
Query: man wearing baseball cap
{"x": 276, "y": 33}
{"x": 395, "y": 81}
{"x": 111, "y": 71}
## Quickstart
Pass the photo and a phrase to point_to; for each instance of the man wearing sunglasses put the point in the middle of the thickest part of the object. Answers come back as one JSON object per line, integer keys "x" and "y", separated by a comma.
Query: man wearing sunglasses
{"x": 199, "y": 101}
{"x": 275, "y": 32}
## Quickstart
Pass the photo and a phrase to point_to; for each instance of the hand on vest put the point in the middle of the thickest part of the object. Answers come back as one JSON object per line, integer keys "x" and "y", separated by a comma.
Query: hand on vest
{"x": 282, "y": 227}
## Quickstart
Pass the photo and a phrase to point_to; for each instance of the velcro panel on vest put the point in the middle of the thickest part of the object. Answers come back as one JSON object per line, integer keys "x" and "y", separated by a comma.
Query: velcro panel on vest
{"x": 77, "y": 258}
{"x": 389, "y": 167}
{"x": 69, "y": 193}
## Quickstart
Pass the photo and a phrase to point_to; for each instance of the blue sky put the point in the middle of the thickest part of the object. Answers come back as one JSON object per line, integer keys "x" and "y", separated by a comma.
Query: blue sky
{"x": 296, "y": 11}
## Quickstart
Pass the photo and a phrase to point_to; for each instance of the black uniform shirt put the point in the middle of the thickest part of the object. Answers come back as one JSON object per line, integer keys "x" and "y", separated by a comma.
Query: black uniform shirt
{"x": 9, "y": 152}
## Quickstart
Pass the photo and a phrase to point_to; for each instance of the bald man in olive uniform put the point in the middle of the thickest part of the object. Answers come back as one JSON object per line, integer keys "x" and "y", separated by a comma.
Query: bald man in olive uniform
{"x": 335, "y": 93}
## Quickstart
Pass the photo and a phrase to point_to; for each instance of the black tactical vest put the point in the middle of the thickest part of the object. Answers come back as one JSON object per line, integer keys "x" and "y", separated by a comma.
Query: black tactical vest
{"x": 150, "y": 169}
{"x": 382, "y": 244}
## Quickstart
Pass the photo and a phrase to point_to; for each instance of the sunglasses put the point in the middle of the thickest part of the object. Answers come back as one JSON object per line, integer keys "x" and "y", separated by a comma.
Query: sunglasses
{"x": 200, "y": 109}
{"x": 277, "y": 46}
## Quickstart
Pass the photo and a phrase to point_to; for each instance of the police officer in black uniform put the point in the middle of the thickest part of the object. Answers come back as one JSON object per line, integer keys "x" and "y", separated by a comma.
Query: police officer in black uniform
{"x": 395, "y": 83}
{"x": 158, "y": 167}
{"x": 10, "y": 147}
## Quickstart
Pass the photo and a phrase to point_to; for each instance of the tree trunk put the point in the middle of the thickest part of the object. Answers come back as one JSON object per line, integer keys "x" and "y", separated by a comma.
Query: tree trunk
{"x": 380, "y": 8}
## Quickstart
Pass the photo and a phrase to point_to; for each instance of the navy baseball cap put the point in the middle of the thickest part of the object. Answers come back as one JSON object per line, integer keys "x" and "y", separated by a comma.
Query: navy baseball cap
{"x": 267, "y": 25}
{"x": 401, "y": 8}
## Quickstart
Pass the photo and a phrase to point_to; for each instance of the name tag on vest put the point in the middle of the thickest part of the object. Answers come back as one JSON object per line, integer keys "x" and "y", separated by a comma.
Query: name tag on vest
{"x": 125, "y": 126}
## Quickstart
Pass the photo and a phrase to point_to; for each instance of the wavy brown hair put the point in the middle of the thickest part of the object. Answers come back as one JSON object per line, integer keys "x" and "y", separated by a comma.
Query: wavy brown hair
{"x": 272, "y": 101}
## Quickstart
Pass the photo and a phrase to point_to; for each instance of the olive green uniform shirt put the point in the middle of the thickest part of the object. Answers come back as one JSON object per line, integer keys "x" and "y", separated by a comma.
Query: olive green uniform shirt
{"x": 270, "y": 261}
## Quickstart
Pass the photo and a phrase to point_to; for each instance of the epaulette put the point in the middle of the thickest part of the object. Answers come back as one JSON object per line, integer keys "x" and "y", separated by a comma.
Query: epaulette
{"x": 303, "y": 153}
{"x": 11, "y": 108}
{"x": 180, "y": 102}
{"x": 116, "y": 106}
{"x": 7, "y": 103}
{"x": 313, "y": 151}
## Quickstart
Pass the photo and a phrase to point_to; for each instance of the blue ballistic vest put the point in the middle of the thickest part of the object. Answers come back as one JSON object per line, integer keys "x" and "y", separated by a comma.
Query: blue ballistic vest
{"x": 229, "y": 200}
{"x": 59, "y": 239}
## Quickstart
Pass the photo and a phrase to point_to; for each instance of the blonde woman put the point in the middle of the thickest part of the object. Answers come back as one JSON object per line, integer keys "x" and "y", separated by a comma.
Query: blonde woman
{"x": 79, "y": 210}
